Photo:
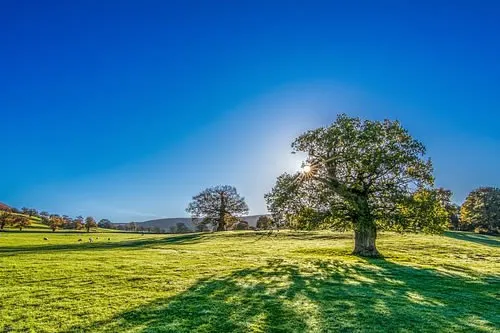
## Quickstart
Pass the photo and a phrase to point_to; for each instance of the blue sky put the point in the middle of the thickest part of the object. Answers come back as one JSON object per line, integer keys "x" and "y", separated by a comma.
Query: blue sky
{"x": 126, "y": 109}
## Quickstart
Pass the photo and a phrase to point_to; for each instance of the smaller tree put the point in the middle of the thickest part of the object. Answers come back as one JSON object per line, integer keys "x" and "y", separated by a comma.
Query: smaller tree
{"x": 90, "y": 223}
{"x": 105, "y": 223}
{"x": 6, "y": 219}
{"x": 55, "y": 222}
{"x": 218, "y": 206}
{"x": 182, "y": 228}
{"x": 481, "y": 210}
{"x": 200, "y": 227}
{"x": 423, "y": 212}
{"x": 21, "y": 221}
{"x": 78, "y": 223}
{"x": 453, "y": 210}
{"x": 264, "y": 222}
{"x": 132, "y": 226}
{"x": 67, "y": 222}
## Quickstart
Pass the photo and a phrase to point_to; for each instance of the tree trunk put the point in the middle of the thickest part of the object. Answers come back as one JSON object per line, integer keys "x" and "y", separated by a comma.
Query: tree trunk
{"x": 365, "y": 231}
{"x": 364, "y": 241}
{"x": 221, "y": 226}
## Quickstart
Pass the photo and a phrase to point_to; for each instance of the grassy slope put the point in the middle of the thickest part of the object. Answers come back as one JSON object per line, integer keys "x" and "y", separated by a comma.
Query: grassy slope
{"x": 239, "y": 282}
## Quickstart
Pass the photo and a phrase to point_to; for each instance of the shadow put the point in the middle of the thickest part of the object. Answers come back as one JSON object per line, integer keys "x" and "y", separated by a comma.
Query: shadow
{"x": 475, "y": 238}
{"x": 101, "y": 244}
{"x": 373, "y": 295}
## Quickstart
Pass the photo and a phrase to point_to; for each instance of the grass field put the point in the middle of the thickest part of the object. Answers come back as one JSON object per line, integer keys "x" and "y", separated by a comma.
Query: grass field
{"x": 247, "y": 282}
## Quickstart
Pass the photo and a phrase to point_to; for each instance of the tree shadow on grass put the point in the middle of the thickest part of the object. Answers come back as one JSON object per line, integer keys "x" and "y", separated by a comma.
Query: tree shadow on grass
{"x": 102, "y": 244}
{"x": 320, "y": 296}
{"x": 475, "y": 238}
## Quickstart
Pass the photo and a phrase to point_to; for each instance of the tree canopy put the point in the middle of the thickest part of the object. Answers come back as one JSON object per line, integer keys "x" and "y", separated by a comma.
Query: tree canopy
{"x": 481, "y": 210}
{"x": 217, "y": 206}
{"x": 359, "y": 174}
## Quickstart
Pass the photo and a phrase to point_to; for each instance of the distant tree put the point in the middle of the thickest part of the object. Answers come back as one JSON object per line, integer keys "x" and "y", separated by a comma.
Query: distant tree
{"x": 45, "y": 220}
{"x": 240, "y": 225}
{"x": 21, "y": 221}
{"x": 33, "y": 212}
{"x": 453, "y": 210}
{"x": 67, "y": 222}
{"x": 172, "y": 229}
{"x": 481, "y": 210}
{"x": 6, "y": 219}
{"x": 78, "y": 222}
{"x": 200, "y": 227}
{"x": 55, "y": 222}
{"x": 44, "y": 213}
{"x": 156, "y": 230}
{"x": 29, "y": 211}
{"x": 90, "y": 223}
{"x": 105, "y": 223}
{"x": 15, "y": 210}
{"x": 181, "y": 228}
{"x": 358, "y": 172}
{"x": 217, "y": 206}
{"x": 264, "y": 222}
{"x": 308, "y": 218}
{"x": 424, "y": 212}
{"x": 132, "y": 226}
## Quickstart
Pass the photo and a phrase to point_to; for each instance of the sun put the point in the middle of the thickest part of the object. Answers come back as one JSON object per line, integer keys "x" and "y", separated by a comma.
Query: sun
{"x": 306, "y": 168}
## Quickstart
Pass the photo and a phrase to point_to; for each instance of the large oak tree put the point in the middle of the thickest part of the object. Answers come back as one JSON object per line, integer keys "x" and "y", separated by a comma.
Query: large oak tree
{"x": 359, "y": 174}
{"x": 217, "y": 206}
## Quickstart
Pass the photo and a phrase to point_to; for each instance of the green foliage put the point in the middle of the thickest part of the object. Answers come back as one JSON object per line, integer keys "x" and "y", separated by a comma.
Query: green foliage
{"x": 247, "y": 282}
{"x": 90, "y": 223}
{"x": 423, "y": 212}
{"x": 105, "y": 223}
{"x": 181, "y": 228}
{"x": 360, "y": 172}
{"x": 218, "y": 206}
{"x": 240, "y": 225}
{"x": 265, "y": 222}
{"x": 481, "y": 210}
{"x": 308, "y": 218}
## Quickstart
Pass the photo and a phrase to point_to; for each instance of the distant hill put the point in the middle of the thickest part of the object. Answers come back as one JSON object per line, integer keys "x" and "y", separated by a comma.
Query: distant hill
{"x": 169, "y": 222}
{"x": 4, "y": 207}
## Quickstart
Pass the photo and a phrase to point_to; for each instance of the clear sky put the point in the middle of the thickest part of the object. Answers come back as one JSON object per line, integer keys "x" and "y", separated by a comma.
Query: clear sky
{"x": 126, "y": 109}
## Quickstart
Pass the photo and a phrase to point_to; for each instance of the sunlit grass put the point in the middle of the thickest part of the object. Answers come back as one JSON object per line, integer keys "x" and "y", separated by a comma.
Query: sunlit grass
{"x": 247, "y": 281}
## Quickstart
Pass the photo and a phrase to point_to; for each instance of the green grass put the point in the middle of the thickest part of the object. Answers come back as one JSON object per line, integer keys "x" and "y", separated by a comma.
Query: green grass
{"x": 248, "y": 282}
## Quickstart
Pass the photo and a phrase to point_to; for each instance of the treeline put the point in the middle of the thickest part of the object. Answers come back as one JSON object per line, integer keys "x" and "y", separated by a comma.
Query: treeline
{"x": 24, "y": 217}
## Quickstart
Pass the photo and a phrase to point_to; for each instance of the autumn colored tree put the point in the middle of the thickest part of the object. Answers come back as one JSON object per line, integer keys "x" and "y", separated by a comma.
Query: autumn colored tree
{"x": 78, "y": 222}
{"x": 6, "y": 219}
{"x": 21, "y": 221}
{"x": 55, "y": 222}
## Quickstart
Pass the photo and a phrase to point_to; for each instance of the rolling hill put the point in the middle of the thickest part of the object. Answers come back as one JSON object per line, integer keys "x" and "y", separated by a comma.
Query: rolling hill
{"x": 166, "y": 223}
